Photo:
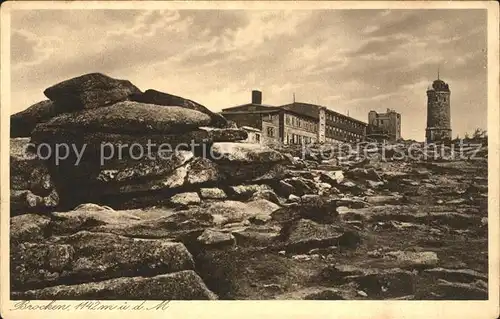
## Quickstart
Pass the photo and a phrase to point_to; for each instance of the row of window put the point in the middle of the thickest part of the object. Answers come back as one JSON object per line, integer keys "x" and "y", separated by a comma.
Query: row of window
{"x": 290, "y": 138}
{"x": 298, "y": 139}
{"x": 270, "y": 117}
{"x": 343, "y": 120}
{"x": 330, "y": 130}
{"x": 309, "y": 125}
{"x": 295, "y": 121}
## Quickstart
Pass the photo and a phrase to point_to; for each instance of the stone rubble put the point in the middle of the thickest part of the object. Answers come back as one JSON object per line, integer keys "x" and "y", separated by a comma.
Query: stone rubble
{"x": 230, "y": 220}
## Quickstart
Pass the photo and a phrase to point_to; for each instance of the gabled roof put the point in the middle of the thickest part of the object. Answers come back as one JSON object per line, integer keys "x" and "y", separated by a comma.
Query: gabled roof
{"x": 345, "y": 116}
{"x": 312, "y": 110}
{"x": 298, "y": 108}
{"x": 251, "y": 129}
{"x": 251, "y": 107}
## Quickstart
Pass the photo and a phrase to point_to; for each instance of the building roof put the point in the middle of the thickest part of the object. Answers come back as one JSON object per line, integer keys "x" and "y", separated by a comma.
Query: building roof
{"x": 251, "y": 129}
{"x": 251, "y": 111}
{"x": 345, "y": 116}
{"x": 312, "y": 110}
{"x": 251, "y": 108}
{"x": 298, "y": 108}
{"x": 259, "y": 106}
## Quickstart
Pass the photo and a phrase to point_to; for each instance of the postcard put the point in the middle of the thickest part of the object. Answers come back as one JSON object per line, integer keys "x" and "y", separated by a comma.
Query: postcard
{"x": 223, "y": 159}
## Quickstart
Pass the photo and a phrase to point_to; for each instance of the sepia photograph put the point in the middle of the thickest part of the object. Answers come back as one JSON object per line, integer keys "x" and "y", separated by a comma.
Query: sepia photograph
{"x": 248, "y": 151}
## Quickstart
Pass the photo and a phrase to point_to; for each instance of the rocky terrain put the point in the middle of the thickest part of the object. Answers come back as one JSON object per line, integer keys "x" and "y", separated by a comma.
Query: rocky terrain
{"x": 229, "y": 220}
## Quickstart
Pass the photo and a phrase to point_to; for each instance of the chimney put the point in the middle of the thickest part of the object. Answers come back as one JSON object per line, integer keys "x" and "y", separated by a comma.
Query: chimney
{"x": 256, "y": 97}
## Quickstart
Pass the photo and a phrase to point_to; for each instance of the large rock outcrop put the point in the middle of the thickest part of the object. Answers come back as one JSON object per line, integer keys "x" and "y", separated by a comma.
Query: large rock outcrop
{"x": 132, "y": 117}
{"x": 160, "y": 98}
{"x": 90, "y": 91}
{"x": 225, "y": 219}
{"x": 87, "y": 91}
{"x": 24, "y": 122}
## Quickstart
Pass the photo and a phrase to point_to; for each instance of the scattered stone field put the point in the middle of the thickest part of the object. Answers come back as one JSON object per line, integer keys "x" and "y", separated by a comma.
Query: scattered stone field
{"x": 253, "y": 222}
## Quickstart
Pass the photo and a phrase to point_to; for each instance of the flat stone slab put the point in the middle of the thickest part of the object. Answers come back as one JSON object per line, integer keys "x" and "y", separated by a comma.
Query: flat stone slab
{"x": 256, "y": 235}
{"x": 211, "y": 237}
{"x": 87, "y": 256}
{"x": 304, "y": 235}
{"x": 212, "y": 193}
{"x": 231, "y": 211}
{"x": 457, "y": 275}
{"x": 185, "y": 199}
{"x": 411, "y": 259}
{"x": 183, "y": 285}
{"x": 245, "y": 153}
{"x": 132, "y": 118}
{"x": 412, "y": 214}
{"x": 248, "y": 190}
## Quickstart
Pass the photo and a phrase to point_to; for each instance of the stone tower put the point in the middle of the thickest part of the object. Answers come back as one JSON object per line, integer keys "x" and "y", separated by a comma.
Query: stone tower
{"x": 438, "y": 112}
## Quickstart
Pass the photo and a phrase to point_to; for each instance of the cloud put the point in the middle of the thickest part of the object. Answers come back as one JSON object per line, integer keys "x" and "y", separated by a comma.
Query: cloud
{"x": 150, "y": 23}
{"x": 217, "y": 57}
{"x": 30, "y": 50}
{"x": 380, "y": 46}
{"x": 23, "y": 47}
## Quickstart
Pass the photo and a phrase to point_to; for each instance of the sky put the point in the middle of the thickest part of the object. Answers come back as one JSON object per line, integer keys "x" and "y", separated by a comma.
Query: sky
{"x": 351, "y": 61}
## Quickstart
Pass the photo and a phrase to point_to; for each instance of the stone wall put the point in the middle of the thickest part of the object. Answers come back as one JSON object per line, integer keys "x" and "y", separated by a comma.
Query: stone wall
{"x": 438, "y": 116}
